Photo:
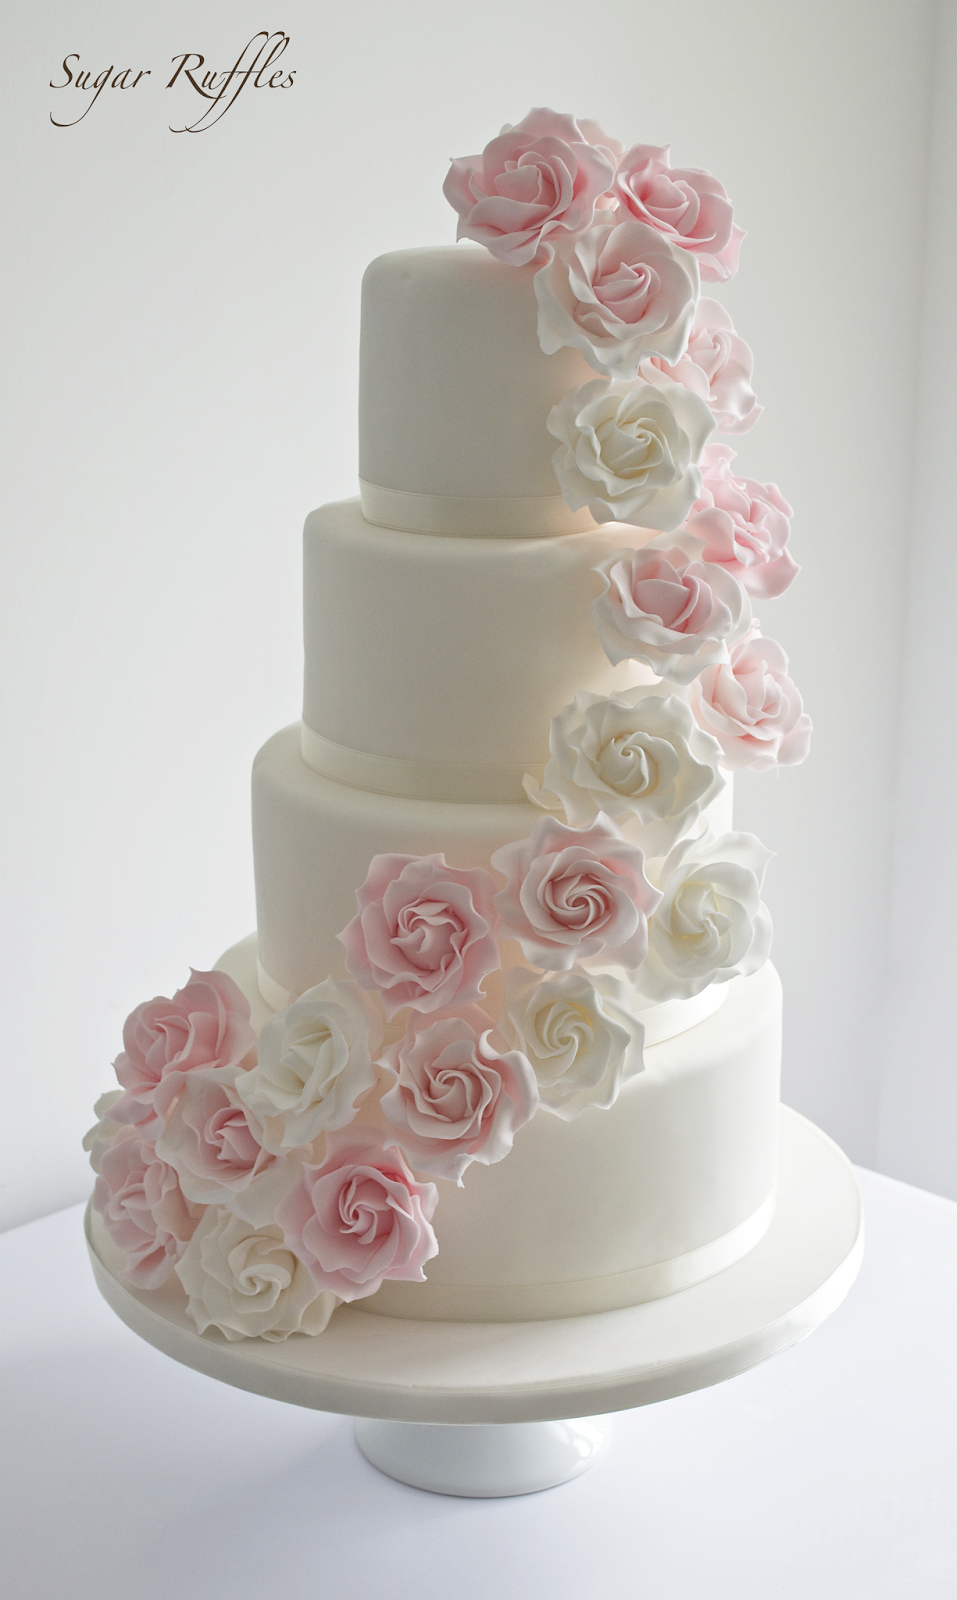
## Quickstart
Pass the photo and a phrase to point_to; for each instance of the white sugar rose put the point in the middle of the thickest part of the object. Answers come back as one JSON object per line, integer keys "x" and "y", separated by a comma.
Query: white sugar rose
{"x": 711, "y": 924}
{"x": 637, "y": 754}
{"x": 618, "y": 293}
{"x": 246, "y": 1282}
{"x": 629, "y": 451}
{"x": 677, "y": 615}
{"x": 315, "y": 1061}
{"x": 579, "y": 1034}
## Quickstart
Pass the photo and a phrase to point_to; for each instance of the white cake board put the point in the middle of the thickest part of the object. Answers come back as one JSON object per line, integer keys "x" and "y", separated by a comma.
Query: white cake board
{"x": 477, "y": 1373}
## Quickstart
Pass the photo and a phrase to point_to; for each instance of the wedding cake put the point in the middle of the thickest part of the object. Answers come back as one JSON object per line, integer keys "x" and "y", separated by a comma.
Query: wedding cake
{"x": 506, "y": 1044}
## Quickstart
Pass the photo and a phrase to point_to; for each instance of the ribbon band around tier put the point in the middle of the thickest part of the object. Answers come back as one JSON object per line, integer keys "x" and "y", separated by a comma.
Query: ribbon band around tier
{"x": 476, "y": 783}
{"x": 458, "y": 516}
{"x": 508, "y": 1302}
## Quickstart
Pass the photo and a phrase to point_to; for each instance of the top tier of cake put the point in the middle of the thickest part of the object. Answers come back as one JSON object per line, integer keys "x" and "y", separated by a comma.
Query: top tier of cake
{"x": 454, "y": 392}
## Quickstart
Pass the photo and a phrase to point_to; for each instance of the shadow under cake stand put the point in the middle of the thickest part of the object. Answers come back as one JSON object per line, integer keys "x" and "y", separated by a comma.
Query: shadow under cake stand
{"x": 486, "y": 1408}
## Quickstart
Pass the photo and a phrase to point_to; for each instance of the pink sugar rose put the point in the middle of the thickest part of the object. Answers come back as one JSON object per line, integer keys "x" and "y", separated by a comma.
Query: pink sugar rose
{"x": 360, "y": 1217}
{"x": 677, "y": 615}
{"x": 619, "y": 293}
{"x": 575, "y": 893}
{"x": 716, "y": 366}
{"x": 752, "y": 708}
{"x": 423, "y": 935}
{"x": 744, "y": 524}
{"x": 143, "y": 1208}
{"x": 213, "y": 1142}
{"x": 456, "y": 1098}
{"x": 537, "y": 181}
{"x": 205, "y": 1026}
{"x": 687, "y": 205}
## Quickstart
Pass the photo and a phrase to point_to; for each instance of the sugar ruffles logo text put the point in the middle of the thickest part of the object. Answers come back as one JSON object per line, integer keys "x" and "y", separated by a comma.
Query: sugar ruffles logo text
{"x": 218, "y": 88}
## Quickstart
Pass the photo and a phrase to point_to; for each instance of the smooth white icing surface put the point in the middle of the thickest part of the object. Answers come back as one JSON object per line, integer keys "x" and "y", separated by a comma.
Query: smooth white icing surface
{"x": 454, "y": 388}
{"x": 670, "y": 1185}
{"x": 453, "y": 652}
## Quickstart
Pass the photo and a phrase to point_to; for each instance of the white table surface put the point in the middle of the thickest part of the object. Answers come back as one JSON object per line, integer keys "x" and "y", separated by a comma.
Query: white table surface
{"x": 829, "y": 1472}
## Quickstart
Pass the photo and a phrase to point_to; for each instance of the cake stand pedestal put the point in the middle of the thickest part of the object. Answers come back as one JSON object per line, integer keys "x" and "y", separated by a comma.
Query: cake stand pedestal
{"x": 484, "y": 1408}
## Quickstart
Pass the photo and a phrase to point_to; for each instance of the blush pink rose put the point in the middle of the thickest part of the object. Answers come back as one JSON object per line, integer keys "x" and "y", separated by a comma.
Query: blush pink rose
{"x": 423, "y": 935}
{"x": 536, "y": 181}
{"x": 205, "y": 1026}
{"x": 677, "y": 615}
{"x": 456, "y": 1098}
{"x": 575, "y": 893}
{"x": 752, "y": 708}
{"x": 717, "y": 366}
{"x": 687, "y": 205}
{"x": 213, "y": 1141}
{"x": 360, "y": 1217}
{"x": 745, "y": 526}
{"x": 143, "y": 1208}
{"x": 619, "y": 293}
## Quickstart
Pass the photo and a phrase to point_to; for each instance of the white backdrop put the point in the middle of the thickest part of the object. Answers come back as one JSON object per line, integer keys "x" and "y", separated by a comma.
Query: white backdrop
{"x": 179, "y": 389}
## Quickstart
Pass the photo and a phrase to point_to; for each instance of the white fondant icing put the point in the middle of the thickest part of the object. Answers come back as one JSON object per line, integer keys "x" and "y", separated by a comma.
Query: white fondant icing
{"x": 454, "y": 388}
{"x": 449, "y": 651}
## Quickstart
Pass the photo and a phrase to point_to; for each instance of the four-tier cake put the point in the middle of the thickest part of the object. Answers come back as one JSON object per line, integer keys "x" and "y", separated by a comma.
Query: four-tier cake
{"x": 506, "y": 1044}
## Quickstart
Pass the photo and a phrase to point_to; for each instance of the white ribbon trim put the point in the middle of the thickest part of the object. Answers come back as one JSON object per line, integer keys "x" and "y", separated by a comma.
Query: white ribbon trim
{"x": 463, "y": 782}
{"x": 528, "y": 1302}
{"x": 471, "y": 516}
{"x": 275, "y": 996}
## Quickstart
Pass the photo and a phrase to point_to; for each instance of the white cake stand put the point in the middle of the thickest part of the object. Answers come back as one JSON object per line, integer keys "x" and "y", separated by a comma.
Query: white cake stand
{"x": 483, "y": 1409}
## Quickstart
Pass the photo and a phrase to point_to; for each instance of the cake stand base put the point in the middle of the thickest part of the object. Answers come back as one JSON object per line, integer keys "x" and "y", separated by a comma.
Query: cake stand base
{"x": 469, "y": 1376}
{"x": 481, "y": 1461}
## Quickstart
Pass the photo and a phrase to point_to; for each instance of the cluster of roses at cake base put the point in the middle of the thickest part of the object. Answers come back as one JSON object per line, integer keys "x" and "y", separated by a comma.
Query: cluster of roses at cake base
{"x": 281, "y": 1179}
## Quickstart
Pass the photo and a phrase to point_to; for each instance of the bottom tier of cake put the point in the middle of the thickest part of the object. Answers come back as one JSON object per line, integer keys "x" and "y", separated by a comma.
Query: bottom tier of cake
{"x": 673, "y": 1184}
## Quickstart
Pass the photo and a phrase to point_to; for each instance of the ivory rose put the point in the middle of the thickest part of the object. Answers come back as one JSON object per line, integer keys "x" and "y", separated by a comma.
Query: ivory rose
{"x": 360, "y": 1216}
{"x": 677, "y": 615}
{"x": 752, "y": 707}
{"x": 204, "y": 1027}
{"x": 618, "y": 293}
{"x": 423, "y": 935}
{"x": 637, "y": 754}
{"x": 457, "y": 1098}
{"x": 143, "y": 1208}
{"x": 246, "y": 1282}
{"x": 315, "y": 1061}
{"x": 572, "y": 893}
{"x": 538, "y": 181}
{"x": 215, "y": 1145}
{"x": 744, "y": 525}
{"x": 716, "y": 366}
{"x": 580, "y": 1034}
{"x": 629, "y": 450}
{"x": 687, "y": 205}
{"x": 711, "y": 924}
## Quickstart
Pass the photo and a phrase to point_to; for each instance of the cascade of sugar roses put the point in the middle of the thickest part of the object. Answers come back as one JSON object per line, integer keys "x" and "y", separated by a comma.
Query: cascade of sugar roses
{"x": 277, "y": 1177}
